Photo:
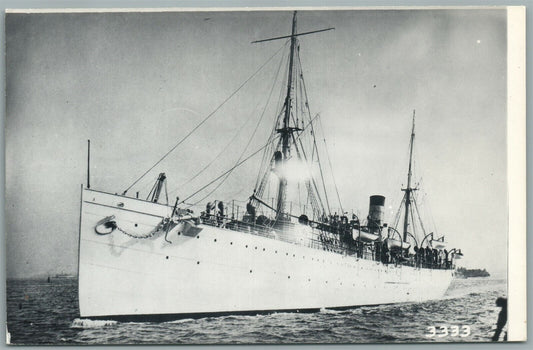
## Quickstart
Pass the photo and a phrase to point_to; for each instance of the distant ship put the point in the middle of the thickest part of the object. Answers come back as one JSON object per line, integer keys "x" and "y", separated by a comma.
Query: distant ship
{"x": 467, "y": 273}
{"x": 140, "y": 259}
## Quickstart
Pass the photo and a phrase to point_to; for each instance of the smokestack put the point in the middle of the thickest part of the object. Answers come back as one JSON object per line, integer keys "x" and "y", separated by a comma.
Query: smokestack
{"x": 376, "y": 210}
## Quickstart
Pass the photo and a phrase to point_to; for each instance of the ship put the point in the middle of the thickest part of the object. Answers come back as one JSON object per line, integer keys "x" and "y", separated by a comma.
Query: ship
{"x": 145, "y": 259}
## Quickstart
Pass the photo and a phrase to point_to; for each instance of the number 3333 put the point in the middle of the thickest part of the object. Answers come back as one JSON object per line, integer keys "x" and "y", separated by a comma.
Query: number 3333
{"x": 448, "y": 331}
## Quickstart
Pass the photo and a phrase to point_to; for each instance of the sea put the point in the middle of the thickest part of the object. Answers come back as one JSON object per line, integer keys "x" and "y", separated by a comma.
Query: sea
{"x": 42, "y": 312}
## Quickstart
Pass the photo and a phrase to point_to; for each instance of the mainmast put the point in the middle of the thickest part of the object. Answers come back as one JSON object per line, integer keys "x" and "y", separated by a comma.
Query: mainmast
{"x": 286, "y": 130}
{"x": 408, "y": 190}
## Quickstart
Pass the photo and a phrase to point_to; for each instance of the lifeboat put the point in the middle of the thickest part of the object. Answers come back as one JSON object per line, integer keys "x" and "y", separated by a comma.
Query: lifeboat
{"x": 395, "y": 243}
{"x": 439, "y": 244}
{"x": 457, "y": 255}
{"x": 366, "y": 237}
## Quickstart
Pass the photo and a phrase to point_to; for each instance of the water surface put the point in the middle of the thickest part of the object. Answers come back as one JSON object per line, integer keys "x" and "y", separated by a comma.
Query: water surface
{"x": 47, "y": 313}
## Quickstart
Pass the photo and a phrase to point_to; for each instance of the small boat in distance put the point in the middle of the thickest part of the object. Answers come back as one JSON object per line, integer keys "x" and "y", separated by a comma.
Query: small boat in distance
{"x": 140, "y": 259}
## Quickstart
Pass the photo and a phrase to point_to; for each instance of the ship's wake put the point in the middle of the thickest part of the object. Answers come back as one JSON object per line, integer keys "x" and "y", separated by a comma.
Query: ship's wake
{"x": 183, "y": 320}
{"x": 471, "y": 288}
{"x": 84, "y": 323}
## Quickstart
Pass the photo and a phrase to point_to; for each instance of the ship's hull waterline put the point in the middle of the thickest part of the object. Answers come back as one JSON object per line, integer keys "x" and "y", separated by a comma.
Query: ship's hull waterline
{"x": 220, "y": 271}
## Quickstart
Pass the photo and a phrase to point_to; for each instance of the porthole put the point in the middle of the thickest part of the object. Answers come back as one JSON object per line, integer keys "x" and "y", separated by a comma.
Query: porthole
{"x": 246, "y": 246}
{"x": 136, "y": 225}
{"x": 215, "y": 240}
{"x": 198, "y": 237}
{"x": 287, "y": 254}
{"x": 289, "y": 277}
{"x": 179, "y": 233}
{"x": 167, "y": 257}
{"x": 263, "y": 249}
{"x": 197, "y": 263}
{"x": 250, "y": 271}
{"x": 293, "y": 255}
{"x": 276, "y": 252}
{"x": 230, "y": 243}
{"x": 255, "y": 248}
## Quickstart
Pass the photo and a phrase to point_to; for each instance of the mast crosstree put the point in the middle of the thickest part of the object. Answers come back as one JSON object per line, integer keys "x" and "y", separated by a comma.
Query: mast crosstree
{"x": 286, "y": 130}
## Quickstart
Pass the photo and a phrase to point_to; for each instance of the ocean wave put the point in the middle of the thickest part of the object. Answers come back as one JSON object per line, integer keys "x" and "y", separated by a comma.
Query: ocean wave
{"x": 331, "y": 311}
{"x": 50, "y": 318}
{"x": 87, "y": 323}
{"x": 183, "y": 320}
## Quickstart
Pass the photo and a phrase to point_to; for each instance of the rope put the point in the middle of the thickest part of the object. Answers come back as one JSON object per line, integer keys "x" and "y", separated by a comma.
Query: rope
{"x": 214, "y": 158}
{"x": 259, "y": 190}
{"x": 398, "y": 213}
{"x": 231, "y": 169}
{"x": 419, "y": 218}
{"x": 251, "y": 137}
{"x": 330, "y": 167}
{"x": 314, "y": 138}
{"x": 221, "y": 175}
{"x": 308, "y": 185}
{"x": 206, "y": 118}
{"x": 233, "y": 139}
{"x": 264, "y": 167}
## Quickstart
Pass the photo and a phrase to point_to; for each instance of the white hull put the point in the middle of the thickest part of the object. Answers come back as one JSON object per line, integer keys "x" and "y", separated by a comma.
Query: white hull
{"x": 223, "y": 271}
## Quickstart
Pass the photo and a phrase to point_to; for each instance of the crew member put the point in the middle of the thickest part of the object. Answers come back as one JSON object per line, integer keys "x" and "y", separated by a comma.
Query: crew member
{"x": 502, "y": 319}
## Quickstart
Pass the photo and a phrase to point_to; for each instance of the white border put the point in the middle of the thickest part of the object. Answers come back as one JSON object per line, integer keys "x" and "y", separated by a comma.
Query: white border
{"x": 278, "y": 8}
{"x": 516, "y": 173}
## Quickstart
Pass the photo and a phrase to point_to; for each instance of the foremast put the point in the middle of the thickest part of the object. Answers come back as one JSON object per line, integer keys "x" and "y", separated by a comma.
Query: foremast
{"x": 408, "y": 190}
{"x": 286, "y": 131}
{"x": 289, "y": 131}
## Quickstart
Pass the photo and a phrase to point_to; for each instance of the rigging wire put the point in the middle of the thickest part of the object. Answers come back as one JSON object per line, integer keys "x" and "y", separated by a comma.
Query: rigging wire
{"x": 428, "y": 211}
{"x": 331, "y": 167}
{"x": 419, "y": 219}
{"x": 237, "y": 134}
{"x": 309, "y": 189}
{"x": 230, "y": 170}
{"x": 314, "y": 137}
{"x": 398, "y": 213}
{"x": 224, "y": 173}
{"x": 258, "y": 191}
{"x": 214, "y": 158}
{"x": 263, "y": 169}
{"x": 412, "y": 212}
{"x": 206, "y": 118}
{"x": 253, "y": 133}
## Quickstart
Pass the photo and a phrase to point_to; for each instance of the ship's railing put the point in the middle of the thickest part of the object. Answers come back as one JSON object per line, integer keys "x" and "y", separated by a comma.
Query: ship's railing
{"x": 254, "y": 228}
{"x": 323, "y": 240}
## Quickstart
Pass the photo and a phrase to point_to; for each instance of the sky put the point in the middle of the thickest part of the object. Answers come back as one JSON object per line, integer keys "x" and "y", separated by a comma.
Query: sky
{"x": 137, "y": 83}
